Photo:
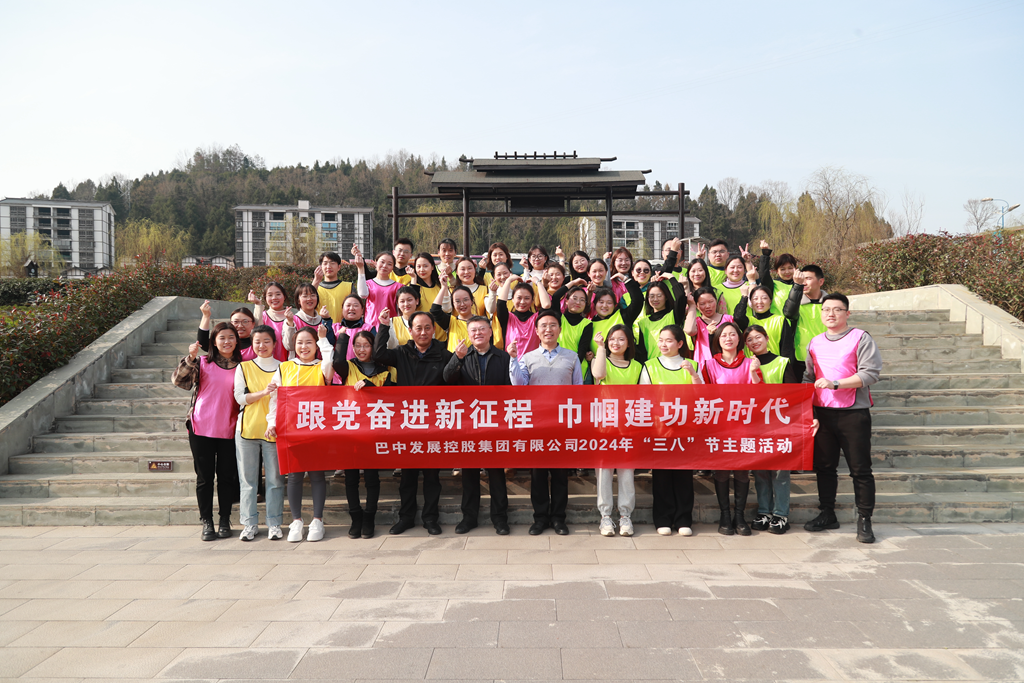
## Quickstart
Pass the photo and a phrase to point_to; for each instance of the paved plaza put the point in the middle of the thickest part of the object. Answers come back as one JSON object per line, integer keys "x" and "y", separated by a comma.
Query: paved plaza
{"x": 924, "y": 603}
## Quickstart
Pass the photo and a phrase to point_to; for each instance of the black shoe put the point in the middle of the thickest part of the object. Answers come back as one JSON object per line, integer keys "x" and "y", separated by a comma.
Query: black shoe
{"x": 367, "y": 527}
{"x": 401, "y": 526}
{"x": 825, "y": 520}
{"x": 740, "y": 524}
{"x": 432, "y": 527}
{"x": 501, "y": 528}
{"x": 864, "y": 532}
{"x": 356, "y": 527}
{"x": 779, "y": 525}
{"x": 209, "y": 533}
{"x": 761, "y": 523}
{"x": 560, "y": 527}
{"x": 537, "y": 528}
{"x": 725, "y": 524}
{"x": 464, "y": 526}
{"x": 224, "y": 531}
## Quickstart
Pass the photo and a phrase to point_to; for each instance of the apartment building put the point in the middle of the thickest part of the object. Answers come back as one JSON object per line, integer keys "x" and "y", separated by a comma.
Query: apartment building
{"x": 268, "y": 234}
{"x": 81, "y": 232}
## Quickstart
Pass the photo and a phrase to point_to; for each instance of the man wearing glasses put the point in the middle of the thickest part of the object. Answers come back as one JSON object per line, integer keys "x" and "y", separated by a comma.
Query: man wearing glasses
{"x": 842, "y": 362}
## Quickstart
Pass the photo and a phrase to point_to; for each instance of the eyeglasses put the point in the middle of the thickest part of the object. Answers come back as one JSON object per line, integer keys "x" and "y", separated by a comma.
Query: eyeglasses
{"x": 833, "y": 310}
{"x": 642, "y": 271}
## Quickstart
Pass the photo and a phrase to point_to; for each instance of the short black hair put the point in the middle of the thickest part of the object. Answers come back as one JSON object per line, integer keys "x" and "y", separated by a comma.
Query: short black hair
{"x": 785, "y": 260}
{"x": 836, "y": 296}
{"x": 715, "y": 243}
{"x": 244, "y": 310}
{"x": 676, "y": 331}
{"x": 265, "y": 329}
{"x": 816, "y": 270}
{"x": 449, "y": 241}
{"x": 548, "y": 313}
{"x": 478, "y": 319}
{"x": 405, "y": 240}
{"x": 414, "y": 292}
{"x": 330, "y": 255}
{"x": 416, "y": 314}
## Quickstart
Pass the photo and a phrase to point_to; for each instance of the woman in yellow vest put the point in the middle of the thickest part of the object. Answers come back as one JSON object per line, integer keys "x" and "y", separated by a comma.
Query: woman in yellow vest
{"x": 304, "y": 371}
{"x": 253, "y": 390}
{"x": 464, "y": 307}
{"x": 427, "y": 280}
{"x": 408, "y": 302}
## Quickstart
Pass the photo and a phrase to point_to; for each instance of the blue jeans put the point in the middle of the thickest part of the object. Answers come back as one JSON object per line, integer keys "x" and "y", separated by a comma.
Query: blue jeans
{"x": 248, "y": 451}
{"x": 772, "y": 488}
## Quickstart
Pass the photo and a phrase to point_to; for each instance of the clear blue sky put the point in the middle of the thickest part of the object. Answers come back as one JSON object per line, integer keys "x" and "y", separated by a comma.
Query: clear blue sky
{"x": 918, "y": 96}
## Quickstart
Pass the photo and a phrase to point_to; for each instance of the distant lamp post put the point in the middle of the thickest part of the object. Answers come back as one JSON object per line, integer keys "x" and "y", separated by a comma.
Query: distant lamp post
{"x": 1002, "y": 212}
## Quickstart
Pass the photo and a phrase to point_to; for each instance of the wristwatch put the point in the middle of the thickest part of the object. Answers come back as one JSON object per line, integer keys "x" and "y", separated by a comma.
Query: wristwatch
{"x": 835, "y": 385}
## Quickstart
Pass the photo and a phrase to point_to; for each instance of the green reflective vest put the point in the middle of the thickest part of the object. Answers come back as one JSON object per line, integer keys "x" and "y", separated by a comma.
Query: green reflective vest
{"x": 808, "y": 327}
{"x": 775, "y": 371}
{"x": 627, "y": 375}
{"x": 659, "y": 374}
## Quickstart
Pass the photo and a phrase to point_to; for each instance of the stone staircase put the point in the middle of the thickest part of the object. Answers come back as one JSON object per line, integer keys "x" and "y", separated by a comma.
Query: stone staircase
{"x": 948, "y": 444}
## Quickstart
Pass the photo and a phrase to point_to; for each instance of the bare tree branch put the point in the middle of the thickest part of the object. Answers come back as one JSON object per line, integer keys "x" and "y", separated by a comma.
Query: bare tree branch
{"x": 979, "y": 215}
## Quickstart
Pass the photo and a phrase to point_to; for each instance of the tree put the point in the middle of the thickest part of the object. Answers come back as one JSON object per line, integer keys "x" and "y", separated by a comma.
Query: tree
{"x": 908, "y": 220}
{"x": 729, "y": 191}
{"x": 60, "y": 192}
{"x": 841, "y": 198}
{"x": 141, "y": 240}
{"x": 22, "y": 246}
{"x": 980, "y": 215}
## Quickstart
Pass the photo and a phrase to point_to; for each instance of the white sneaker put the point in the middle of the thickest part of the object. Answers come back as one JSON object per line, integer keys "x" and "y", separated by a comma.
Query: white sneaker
{"x": 664, "y": 531}
{"x": 685, "y": 531}
{"x": 316, "y": 530}
{"x": 607, "y": 527}
{"x": 295, "y": 531}
{"x": 274, "y": 533}
{"x": 248, "y": 533}
{"x": 625, "y": 526}
{"x": 456, "y": 472}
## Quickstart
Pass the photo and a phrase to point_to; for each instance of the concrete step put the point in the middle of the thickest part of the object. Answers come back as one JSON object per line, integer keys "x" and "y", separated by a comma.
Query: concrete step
{"x": 916, "y": 381}
{"x": 918, "y": 508}
{"x": 952, "y": 367}
{"x": 877, "y": 329}
{"x": 102, "y": 424}
{"x": 967, "y": 456}
{"x": 898, "y": 316}
{"x": 190, "y": 325}
{"x": 137, "y": 390}
{"x": 939, "y": 398}
{"x": 177, "y": 336}
{"x": 155, "y": 407}
{"x": 984, "y": 435}
{"x": 149, "y": 362}
{"x": 167, "y": 349}
{"x": 912, "y": 353}
{"x": 947, "y": 416}
{"x": 98, "y": 462}
{"x": 928, "y": 341}
{"x": 160, "y": 374}
{"x": 126, "y": 442}
{"x": 153, "y": 484}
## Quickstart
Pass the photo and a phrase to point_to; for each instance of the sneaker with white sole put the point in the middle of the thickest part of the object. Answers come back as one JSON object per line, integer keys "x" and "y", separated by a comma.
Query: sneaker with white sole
{"x": 625, "y": 526}
{"x": 761, "y": 522}
{"x": 248, "y": 533}
{"x": 779, "y": 525}
{"x": 316, "y": 530}
{"x": 664, "y": 531}
{"x": 685, "y": 531}
{"x": 295, "y": 531}
{"x": 274, "y": 533}
{"x": 607, "y": 527}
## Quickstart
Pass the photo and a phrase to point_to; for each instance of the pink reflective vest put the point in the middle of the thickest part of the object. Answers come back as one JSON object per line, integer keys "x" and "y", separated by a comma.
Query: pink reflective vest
{"x": 834, "y": 360}
{"x": 215, "y": 411}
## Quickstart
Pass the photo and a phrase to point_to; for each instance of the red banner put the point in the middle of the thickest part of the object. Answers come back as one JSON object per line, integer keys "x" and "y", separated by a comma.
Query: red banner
{"x": 708, "y": 427}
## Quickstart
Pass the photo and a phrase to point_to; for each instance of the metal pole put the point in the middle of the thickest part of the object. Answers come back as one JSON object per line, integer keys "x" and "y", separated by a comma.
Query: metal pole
{"x": 608, "y": 219}
{"x": 682, "y": 211}
{"x": 394, "y": 213}
{"x": 465, "y": 224}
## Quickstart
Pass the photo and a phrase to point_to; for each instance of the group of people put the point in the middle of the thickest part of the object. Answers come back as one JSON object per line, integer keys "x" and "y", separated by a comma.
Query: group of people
{"x": 719, "y": 318}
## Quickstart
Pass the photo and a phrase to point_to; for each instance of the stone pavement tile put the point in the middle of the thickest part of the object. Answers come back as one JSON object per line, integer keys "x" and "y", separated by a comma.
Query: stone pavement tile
{"x": 24, "y": 531}
{"x": 462, "y": 557}
{"x": 93, "y": 557}
{"x": 170, "y": 531}
{"x": 836, "y": 610}
{"x": 67, "y": 610}
{"x": 370, "y": 663}
{"x": 500, "y": 610}
{"x": 629, "y": 664}
{"x": 1001, "y": 540}
{"x": 809, "y": 571}
{"x": 89, "y": 543}
{"x": 595, "y": 542}
{"x": 372, "y": 556}
{"x": 189, "y": 557}
{"x": 696, "y": 542}
{"x": 668, "y": 556}
{"x": 13, "y": 630}
{"x": 978, "y": 571}
{"x": 185, "y": 544}
{"x": 762, "y": 540}
{"x": 989, "y": 555}
{"x": 871, "y": 588}
{"x": 129, "y": 572}
{"x": 633, "y": 609}
{"x": 172, "y": 610}
{"x": 713, "y": 634}
{"x": 1010, "y": 610}
{"x": 739, "y": 556}
{"x": 96, "y": 662}
{"x": 789, "y": 664}
{"x": 43, "y": 571}
{"x": 332, "y": 572}
{"x": 318, "y": 634}
{"x": 201, "y": 634}
{"x": 552, "y": 557}
{"x": 1003, "y": 633}
{"x": 84, "y": 634}
{"x": 950, "y": 530}
{"x": 312, "y": 558}
{"x": 995, "y": 665}
{"x": 658, "y": 590}
{"x": 27, "y": 588}
{"x": 425, "y": 543}
{"x": 215, "y": 572}
{"x": 901, "y": 571}
{"x": 1009, "y": 528}
{"x": 935, "y": 541}
{"x": 929, "y": 609}
{"x": 16, "y": 661}
{"x": 501, "y": 663}
{"x": 909, "y": 635}
{"x": 280, "y": 610}
{"x": 30, "y": 543}
{"x": 427, "y": 572}
{"x": 560, "y": 634}
{"x": 725, "y": 610}
{"x": 83, "y": 531}
{"x": 579, "y": 572}
{"x": 504, "y": 572}
{"x": 851, "y": 555}
{"x": 233, "y": 663}
{"x": 359, "y": 609}
{"x": 475, "y": 590}
{"x": 8, "y": 605}
{"x": 315, "y": 590}
{"x": 462, "y": 634}
{"x": 896, "y": 555}
{"x": 762, "y": 589}
{"x": 511, "y": 542}
{"x": 807, "y": 635}
{"x": 34, "y": 556}
{"x": 240, "y": 590}
{"x": 518, "y": 590}
{"x": 932, "y": 664}
{"x": 136, "y": 590}
{"x": 696, "y": 572}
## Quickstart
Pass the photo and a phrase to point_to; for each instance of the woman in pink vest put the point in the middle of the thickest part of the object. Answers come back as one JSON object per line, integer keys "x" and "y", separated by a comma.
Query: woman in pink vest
{"x": 702, "y": 320}
{"x": 211, "y": 425}
{"x": 518, "y": 324}
{"x": 728, "y": 365}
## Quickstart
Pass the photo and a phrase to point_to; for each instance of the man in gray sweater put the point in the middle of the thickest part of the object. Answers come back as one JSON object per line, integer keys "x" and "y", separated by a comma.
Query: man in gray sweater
{"x": 549, "y": 364}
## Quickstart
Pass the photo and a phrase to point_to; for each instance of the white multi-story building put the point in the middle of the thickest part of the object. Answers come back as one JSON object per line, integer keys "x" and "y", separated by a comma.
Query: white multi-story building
{"x": 642, "y": 235}
{"x": 83, "y": 232}
{"x": 264, "y": 232}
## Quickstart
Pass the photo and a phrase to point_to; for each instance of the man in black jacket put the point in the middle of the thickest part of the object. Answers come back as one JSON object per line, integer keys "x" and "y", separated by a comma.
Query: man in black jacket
{"x": 479, "y": 365}
{"x": 420, "y": 363}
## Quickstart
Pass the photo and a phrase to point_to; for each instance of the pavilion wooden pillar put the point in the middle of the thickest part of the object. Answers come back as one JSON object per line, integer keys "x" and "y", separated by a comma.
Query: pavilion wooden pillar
{"x": 465, "y": 224}
{"x": 394, "y": 215}
{"x": 608, "y": 220}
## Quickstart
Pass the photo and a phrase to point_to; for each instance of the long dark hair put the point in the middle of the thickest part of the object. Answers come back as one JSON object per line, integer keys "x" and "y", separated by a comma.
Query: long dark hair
{"x": 436, "y": 277}
{"x": 236, "y": 355}
{"x": 302, "y": 289}
{"x": 669, "y": 299}
{"x": 630, "y": 352}
{"x": 707, "y": 276}
{"x": 716, "y": 346}
{"x": 488, "y": 264}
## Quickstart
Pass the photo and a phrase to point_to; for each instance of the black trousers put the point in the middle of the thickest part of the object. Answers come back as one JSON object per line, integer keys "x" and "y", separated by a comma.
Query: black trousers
{"x": 214, "y": 458}
{"x": 849, "y": 431}
{"x": 371, "y": 479}
{"x": 672, "y": 491}
{"x": 549, "y": 504}
{"x": 431, "y": 494}
{"x": 471, "y": 494}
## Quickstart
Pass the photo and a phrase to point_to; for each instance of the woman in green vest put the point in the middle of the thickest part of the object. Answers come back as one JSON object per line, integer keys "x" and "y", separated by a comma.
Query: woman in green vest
{"x": 732, "y": 289}
{"x": 772, "y": 486}
{"x": 577, "y": 330}
{"x": 780, "y": 330}
{"x": 607, "y": 313}
{"x": 666, "y": 305}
